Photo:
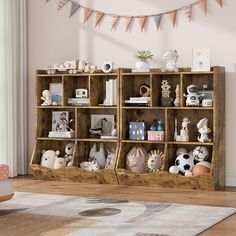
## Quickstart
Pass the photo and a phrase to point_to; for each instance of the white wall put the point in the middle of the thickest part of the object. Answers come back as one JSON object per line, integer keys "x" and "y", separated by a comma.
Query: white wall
{"x": 53, "y": 37}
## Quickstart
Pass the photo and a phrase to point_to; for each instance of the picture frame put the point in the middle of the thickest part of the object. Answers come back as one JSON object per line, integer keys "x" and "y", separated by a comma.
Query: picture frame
{"x": 57, "y": 92}
{"x": 201, "y": 60}
{"x": 104, "y": 123}
{"x": 56, "y": 116}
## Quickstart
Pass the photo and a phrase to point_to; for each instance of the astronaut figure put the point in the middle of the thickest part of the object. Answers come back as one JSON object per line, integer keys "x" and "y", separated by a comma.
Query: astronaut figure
{"x": 192, "y": 96}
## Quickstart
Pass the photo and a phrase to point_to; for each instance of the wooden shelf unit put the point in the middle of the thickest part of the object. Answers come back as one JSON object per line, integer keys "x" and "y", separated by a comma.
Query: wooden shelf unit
{"x": 129, "y": 84}
{"x": 128, "y": 87}
{"x": 81, "y": 115}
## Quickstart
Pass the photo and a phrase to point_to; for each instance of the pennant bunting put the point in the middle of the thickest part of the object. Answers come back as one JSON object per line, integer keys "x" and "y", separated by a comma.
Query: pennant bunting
{"x": 87, "y": 13}
{"x": 157, "y": 20}
{"x": 220, "y": 2}
{"x": 172, "y": 16}
{"x": 115, "y": 20}
{"x": 188, "y": 12}
{"x": 61, "y": 4}
{"x": 142, "y": 21}
{"x": 99, "y": 16}
{"x": 203, "y": 6}
{"x": 74, "y": 7}
{"x": 128, "y": 20}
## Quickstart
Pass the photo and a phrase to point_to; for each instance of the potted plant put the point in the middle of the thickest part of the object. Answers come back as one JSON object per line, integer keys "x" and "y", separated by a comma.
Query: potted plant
{"x": 143, "y": 56}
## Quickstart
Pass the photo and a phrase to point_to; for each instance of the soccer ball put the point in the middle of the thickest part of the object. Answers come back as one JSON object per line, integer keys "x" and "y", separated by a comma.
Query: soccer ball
{"x": 200, "y": 153}
{"x": 184, "y": 162}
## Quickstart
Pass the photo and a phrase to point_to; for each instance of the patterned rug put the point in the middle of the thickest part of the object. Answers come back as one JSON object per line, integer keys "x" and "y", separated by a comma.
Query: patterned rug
{"x": 47, "y": 214}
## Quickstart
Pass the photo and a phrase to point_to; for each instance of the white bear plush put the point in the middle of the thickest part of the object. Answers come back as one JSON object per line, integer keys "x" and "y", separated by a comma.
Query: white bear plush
{"x": 47, "y": 98}
{"x": 69, "y": 148}
{"x": 60, "y": 162}
{"x": 48, "y": 158}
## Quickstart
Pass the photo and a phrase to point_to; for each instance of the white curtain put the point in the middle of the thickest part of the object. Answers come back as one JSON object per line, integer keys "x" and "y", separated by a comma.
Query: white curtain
{"x": 13, "y": 86}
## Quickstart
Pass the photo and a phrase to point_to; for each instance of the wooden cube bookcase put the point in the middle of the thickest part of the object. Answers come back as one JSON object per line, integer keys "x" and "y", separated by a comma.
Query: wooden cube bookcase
{"x": 129, "y": 84}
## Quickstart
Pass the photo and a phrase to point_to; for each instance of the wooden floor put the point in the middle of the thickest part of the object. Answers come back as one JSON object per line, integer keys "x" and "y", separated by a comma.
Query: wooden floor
{"x": 226, "y": 198}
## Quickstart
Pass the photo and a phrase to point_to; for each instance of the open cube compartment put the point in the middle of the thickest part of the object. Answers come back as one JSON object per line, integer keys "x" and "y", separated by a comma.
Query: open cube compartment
{"x": 172, "y": 79}
{"x": 45, "y": 120}
{"x": 102, "y": 176}
{"x": 71, "y": 83}
{"x": 126, "y": 177}
{"x": 98, "y": 88}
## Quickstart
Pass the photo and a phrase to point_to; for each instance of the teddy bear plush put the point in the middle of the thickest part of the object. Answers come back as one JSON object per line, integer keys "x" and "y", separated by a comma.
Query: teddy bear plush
{"x": 48, "y": 158}
{"x": 60, "y": 162}
{"x": 69, "y": 148}
{"x": 47, "y": 98}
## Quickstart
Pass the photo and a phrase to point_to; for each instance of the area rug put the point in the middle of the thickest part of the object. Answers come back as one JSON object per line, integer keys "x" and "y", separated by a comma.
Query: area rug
{"x": 47, "y": 214}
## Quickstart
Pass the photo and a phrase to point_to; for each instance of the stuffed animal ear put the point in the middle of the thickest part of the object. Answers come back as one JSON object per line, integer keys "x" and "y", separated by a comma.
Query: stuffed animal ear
{"x": 58, "y": 153}
{"x": 43, "y": 151}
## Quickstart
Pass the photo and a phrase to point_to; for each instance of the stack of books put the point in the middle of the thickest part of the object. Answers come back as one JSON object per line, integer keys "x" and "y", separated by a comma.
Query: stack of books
{"x": 78, "y": 101}
{"x": 60, "y": 134}
{"x": 138, "y": 101}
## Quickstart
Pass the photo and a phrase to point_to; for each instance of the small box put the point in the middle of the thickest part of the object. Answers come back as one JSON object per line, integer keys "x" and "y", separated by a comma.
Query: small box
{"x": 137, "y": 131}
{"x": 156, "y": 135}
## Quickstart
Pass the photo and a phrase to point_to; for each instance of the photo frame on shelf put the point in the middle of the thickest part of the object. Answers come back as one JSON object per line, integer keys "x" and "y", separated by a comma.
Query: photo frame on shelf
{"x": 57, "y": 116}
{"x": 201, "y": 60}
{"x": 57, "y": 91}
{"x": 102, "y": 125}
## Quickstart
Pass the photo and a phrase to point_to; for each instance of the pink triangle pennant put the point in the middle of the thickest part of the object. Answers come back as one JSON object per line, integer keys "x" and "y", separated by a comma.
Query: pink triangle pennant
{"x": 128, "y": 20}
{"x": 87, "y": 13}
{"x": 99, "y": 16}
{"x": 220, "y": 2}
{"x": 115, "y": 20}
{"x": 61, "y": 4}
{"x": 142, "y": 22}
{"x": 172, "y": 16}
{"x": 188, "y": 12}
{"x": 203, "y": 5}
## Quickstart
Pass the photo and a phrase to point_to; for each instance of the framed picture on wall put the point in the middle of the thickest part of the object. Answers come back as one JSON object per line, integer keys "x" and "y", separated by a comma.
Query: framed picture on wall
{"x": 56, "y": 90}
{"x": 201, "y": 60}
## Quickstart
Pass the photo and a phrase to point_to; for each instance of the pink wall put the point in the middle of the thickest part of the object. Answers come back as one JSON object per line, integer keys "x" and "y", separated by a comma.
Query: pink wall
{"x": 53, "y": 37}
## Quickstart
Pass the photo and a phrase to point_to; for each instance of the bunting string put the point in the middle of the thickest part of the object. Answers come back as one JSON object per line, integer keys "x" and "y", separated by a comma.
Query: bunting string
{"x": 142, "y": 19}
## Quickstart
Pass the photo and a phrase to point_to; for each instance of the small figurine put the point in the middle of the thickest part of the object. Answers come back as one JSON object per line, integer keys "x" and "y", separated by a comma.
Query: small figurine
{"x": 203, "y": 130}
{"x": 47, "y": 98}
{"x": 177, "y": 96}
{"x": 165, "y": 91}
{"x": 170, "y": 57}
{"x": 192, "y": 96}
{"x": 144, "y": 90}
{"x": 184, "y": 134}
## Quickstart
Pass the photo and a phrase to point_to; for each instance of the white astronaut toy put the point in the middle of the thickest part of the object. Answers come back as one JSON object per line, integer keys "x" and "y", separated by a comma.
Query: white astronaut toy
{"x": 192, "y": 96}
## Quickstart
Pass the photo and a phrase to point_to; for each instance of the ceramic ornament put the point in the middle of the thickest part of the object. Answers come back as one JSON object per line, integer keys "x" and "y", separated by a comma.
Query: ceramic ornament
{"x": 177, "y": 96}
{"x": 203, "y": 130}
{"x": 154, "y": 161}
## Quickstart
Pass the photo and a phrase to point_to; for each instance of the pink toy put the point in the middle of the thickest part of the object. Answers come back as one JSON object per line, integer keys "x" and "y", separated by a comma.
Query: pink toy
{"x": 4, "y": 172}
{"x": 135, "y": 160}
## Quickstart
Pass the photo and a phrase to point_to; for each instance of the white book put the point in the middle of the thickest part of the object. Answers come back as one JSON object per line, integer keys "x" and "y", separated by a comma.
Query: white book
{"x": 140, "y": 98}
{"x": 111, "y": 92}
{"x": 54, "y": 134}
{"x": 135, "y": 101}
{"x": 115, "y": 93}
{"x": 107, "y": 101}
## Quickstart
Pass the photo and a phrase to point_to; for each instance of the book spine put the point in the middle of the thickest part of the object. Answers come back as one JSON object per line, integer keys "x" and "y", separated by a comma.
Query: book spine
{"x": 107, "y": 93}
{"x": 115, "y": 92}
{"x": 111, "y": 92}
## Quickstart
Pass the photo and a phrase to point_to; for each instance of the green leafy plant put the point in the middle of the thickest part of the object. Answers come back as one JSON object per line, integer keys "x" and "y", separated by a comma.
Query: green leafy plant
{"x": 143, "y": 55}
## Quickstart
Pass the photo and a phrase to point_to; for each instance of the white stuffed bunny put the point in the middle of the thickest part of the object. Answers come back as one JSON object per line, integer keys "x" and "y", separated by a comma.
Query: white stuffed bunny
{"x": 48, "y": 158}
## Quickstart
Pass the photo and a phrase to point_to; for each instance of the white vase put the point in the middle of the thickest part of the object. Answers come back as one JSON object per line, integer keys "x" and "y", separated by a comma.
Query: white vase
{"x": 142, "y": 65}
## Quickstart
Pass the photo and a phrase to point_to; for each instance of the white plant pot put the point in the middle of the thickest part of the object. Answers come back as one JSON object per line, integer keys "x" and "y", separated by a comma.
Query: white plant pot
{"x": 142, "y": 65}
